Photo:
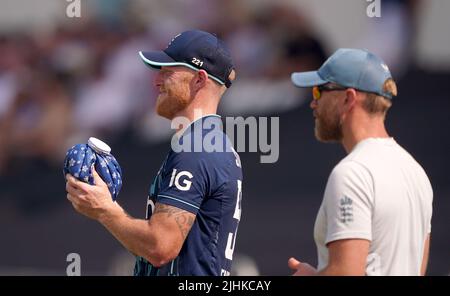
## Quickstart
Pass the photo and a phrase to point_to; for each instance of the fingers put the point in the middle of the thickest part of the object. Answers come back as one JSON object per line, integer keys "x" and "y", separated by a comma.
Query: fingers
{"x": 69, "y": 177}
{"x": 75, "y": 187}
{"x": 72, "y": 199}
{"x": 293, "y": 263}
{"x": 79, "y": 192}
{"x": 72, "y": 181}
{"x": 77, "y": 184}
{"x": 71, "y": 188}
{"x": 74, "y": 194}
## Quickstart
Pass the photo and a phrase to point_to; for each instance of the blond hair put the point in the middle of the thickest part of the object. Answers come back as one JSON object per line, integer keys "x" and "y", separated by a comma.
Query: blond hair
{"x": 231, "y": 77}
{"x": 375, "y": 104}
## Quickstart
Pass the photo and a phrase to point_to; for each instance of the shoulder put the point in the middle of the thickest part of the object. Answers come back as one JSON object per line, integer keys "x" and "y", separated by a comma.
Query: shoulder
{"x": 350, "y": 169}
{"x": 205, "y": 161}
{"x": 416, "y": 170}
{"x": 205, "y": 146}
{"x": 350, "y": 177}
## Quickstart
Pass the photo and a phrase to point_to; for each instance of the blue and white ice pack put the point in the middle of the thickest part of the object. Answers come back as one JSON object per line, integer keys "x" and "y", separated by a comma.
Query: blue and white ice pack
{"x": 80, "y": 158}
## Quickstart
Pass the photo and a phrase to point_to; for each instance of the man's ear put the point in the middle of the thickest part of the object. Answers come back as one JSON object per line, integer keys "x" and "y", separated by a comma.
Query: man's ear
{"x": 200, "y": 79}
{"x": 351, "y": 97}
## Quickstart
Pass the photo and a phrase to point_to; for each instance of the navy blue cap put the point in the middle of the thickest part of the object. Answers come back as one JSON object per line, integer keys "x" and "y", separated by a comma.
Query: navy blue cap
{"x": 354, "y": 68}
{"x": 197, "y": 50}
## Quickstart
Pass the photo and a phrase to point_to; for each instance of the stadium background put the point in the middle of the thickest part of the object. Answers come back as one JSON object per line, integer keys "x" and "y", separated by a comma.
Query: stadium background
{"x": 65, "y": 79}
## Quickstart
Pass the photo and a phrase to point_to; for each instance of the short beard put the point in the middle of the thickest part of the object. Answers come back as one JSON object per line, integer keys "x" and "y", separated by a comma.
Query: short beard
{"x": 328, "y": 129}
{"x": 177, "y": 98}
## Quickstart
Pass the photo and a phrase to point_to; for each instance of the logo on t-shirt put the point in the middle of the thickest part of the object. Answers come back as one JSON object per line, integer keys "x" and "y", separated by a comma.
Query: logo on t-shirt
{"x": 185, "y": 184}
{"x": 346, "y": 209}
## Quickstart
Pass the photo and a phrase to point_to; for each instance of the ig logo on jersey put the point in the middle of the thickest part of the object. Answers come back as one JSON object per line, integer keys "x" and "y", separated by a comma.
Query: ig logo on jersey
{"x": 185, "y": 183}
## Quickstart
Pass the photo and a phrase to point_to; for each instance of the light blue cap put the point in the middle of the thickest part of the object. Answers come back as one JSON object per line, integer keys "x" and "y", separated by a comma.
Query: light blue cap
{"x": 354, "y": 68}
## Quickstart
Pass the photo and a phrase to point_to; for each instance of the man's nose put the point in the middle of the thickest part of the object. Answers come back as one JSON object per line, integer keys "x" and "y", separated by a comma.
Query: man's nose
{"x": 313, "y": 104}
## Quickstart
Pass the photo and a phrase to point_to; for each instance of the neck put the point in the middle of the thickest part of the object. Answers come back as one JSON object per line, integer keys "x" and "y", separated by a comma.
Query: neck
{"x": 359, "y": 129}
{"x": 199, "y": 107}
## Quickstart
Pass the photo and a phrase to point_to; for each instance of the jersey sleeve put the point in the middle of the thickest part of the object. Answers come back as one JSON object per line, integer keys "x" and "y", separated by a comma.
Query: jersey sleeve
{"x": 348, "y": 203}
{"x": 185, "y": 183}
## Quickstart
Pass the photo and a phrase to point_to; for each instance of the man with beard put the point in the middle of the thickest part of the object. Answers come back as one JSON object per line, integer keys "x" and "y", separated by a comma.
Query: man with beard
{"x": 375, "y": 217}
{"x": 194, "y": 202}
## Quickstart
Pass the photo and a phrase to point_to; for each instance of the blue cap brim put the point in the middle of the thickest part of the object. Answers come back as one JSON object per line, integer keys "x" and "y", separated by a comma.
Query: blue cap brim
{"x": 156, "y": 59}
{"x": 307, "y": 79}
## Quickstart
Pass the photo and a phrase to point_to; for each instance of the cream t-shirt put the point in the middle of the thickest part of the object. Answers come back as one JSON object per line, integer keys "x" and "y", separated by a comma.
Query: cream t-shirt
{"x": 381, "y": 194}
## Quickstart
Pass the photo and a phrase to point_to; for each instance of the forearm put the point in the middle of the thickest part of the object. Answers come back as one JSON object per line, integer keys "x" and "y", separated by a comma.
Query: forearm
{"x": 134, "y": 234}
{"x": 423, "y": 268}
{"x": 330, "y": 272}
{"x": 340, "y": 271}
{"x": 326, "y": 272}
{"x": 347, "y": 257}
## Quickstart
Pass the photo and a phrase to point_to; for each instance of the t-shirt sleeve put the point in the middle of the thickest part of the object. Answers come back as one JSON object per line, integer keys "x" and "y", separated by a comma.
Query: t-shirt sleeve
{"x": 185, "y": 182}
{"x": 348, "y": 202}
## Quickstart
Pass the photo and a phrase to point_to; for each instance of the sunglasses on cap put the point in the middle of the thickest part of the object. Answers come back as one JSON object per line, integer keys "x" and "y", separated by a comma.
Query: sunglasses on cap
{"x": 317, "y": 90}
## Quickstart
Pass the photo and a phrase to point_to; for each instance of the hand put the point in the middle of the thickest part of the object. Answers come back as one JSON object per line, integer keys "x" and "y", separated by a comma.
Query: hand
{"x": 92, "y": 201}
{"x": 301, "y": 268}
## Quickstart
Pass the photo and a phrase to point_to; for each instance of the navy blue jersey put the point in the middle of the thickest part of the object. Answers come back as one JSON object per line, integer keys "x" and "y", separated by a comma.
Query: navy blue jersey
{"x": 206, "y": 180}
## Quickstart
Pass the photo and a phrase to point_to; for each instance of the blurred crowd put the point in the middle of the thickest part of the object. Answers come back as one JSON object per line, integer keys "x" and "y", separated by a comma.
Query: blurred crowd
{"x": 83, "y": 77}
{"x": 59, "y": 87}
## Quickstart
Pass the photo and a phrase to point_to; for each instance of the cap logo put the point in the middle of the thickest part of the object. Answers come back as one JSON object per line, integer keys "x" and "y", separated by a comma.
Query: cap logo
{"x": 173, "y": 39}
{"x": 197, "y": 62}
{"x": 385, "y": 67}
